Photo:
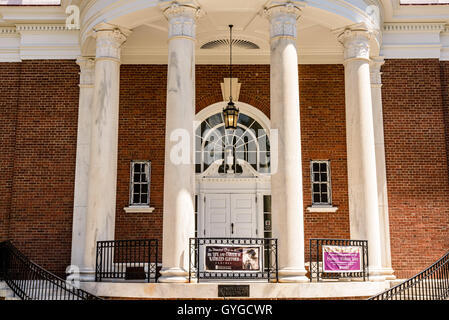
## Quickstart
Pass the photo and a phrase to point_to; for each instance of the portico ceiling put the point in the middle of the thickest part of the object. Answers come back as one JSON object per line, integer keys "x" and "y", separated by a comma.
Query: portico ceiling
{"x": 148, "y": 40}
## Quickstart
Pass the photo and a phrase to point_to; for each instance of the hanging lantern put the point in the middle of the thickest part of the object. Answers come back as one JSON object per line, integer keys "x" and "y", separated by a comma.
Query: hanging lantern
{"x": 230, "y": 116}
{"x": 231, "y": 112}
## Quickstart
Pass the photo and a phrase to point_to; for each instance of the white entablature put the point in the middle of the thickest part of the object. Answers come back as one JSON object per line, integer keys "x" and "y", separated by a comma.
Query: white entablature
{"x": 40, "y": 32}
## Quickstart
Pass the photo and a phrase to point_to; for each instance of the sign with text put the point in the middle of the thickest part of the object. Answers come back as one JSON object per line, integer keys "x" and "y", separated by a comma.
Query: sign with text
{"x": 232, "y": 258}
{"x": 342, "y": 259}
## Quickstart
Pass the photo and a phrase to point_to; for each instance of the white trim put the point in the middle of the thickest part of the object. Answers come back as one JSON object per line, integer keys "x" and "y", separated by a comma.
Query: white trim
{"x": 138, "y": 209}
{"x": 245, "y": 108}
{"x": 322, "y": 209}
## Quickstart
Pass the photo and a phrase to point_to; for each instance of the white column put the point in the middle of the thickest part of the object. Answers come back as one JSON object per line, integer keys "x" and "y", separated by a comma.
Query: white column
{"x": 362, "y": 180}
{"x": 100, "y": 221}
{"x": 286, "y": 181}
{"x": 179, "y": 182}
{"x": 376, "y": 95}
{"x": 87, "y": 68}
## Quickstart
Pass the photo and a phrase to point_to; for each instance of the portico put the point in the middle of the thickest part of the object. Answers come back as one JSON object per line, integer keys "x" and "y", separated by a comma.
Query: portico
{"x": 277, "y": 27}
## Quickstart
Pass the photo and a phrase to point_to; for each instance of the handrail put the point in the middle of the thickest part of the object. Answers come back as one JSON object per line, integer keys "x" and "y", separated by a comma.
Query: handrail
{"x": 30, "y": 281}
{"x": 128, "y": 260}
{"x": 430, "y": 284}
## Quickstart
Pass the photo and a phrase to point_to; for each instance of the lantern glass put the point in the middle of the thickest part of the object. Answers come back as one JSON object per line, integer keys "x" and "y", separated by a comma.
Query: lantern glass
{"x": 230, "y": 116}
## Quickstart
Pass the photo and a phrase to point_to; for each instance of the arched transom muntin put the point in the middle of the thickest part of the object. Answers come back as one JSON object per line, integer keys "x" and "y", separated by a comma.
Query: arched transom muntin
{"x": 231, "y": 151}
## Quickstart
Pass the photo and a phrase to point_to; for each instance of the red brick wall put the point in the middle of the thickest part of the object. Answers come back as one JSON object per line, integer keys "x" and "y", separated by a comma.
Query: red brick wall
{"x": 323, "y": 137}
{"x": 417, "y": 175}
{"x": 44, "y": 160}
{"x": 9, "y": 88}
{"x": 141, "y": 137}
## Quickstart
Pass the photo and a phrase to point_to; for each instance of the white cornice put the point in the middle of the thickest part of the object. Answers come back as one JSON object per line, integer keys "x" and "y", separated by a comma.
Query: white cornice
{"x": 38, "y": 41}
{"x": 8, "y": 31}
{"x": 418, "y": 40}
{"x": 413, "y": 27}
{"x": 41, "y": 27}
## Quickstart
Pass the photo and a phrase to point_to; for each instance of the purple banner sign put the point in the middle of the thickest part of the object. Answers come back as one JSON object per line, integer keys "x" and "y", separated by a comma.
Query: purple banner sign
{"x": 227, "y": 258}
{"x": 342, "y": 259}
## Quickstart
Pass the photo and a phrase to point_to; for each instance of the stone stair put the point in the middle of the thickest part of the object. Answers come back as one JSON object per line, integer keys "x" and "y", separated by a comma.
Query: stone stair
{"x": 6, "y": 293}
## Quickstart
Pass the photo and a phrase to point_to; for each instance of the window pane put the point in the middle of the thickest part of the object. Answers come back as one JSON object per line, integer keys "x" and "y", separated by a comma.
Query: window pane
{"x": 136, "y": 199}
{"x": 324, "y": 198}
{"x": 324, "y": 188}
{"x": 144, "y": 188}
{"x": 323, "y": 167}
{"x": 136, "y": 167}
{"x": 136, "y": 177}
{"x": 324, "y": 177}
{"x": 316, "y": 177}
{"x": 316, "y": 198}
{"x": 143, "y": 199}
{"x": 316, "y": 167}
{"x": 137, "y": 188}
{"x": 143, "y": 177}
{"x": 316, "y": 187}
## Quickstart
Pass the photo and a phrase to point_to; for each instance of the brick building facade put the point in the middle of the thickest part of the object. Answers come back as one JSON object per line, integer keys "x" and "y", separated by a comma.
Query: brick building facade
{"x": 39, "y": 103}
{"x": 112, "y": 127}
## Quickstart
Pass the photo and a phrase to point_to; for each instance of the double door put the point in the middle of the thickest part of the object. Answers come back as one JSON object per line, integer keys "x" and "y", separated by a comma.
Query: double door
{"x": 230, "y": 216}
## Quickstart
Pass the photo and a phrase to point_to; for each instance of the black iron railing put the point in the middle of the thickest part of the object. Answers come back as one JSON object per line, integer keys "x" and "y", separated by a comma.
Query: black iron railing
{"x": 430, "y": 284}
{"x": 29, "y": 281}
{"x": 321, "y": 269}
{"x": 129, "y": 260}
{"x": 233, "y": 259}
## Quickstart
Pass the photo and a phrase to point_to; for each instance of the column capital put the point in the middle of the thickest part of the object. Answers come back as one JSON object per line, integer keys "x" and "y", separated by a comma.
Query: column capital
{"x": 87, "y": 71}
{"x": 376, "y": 76}
{"x": 356, "y": 41}
{"x": 109, "y": 40}
{"x": 181, "y": 19}
{"x": 283, "y": 16}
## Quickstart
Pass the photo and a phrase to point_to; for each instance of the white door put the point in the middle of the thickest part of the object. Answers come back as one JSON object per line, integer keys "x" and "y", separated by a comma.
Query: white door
{"x": 230, "y": 216}
{"x": 217, "y": 222}
{"x": 243, "y": 216}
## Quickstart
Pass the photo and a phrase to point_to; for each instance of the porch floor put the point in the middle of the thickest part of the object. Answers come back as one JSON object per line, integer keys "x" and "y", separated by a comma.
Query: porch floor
{"x": 257, "y": 290}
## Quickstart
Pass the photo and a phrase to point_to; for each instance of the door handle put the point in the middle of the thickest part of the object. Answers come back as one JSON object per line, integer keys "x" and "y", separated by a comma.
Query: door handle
{"x": 232, "y": 228}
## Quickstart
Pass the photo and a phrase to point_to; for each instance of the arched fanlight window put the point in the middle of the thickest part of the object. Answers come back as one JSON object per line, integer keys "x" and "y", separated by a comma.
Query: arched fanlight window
{"x": 249, "y": 142}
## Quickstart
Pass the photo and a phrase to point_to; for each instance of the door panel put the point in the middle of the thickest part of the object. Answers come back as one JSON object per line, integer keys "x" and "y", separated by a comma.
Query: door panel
{"x": 217, "y": 215}
{"x": 243, "y": 215}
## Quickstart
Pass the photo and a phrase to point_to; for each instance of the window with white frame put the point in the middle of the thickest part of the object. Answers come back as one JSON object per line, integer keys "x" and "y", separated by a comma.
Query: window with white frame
{"x": 139, "y": 193}
{"x": 321, "y": 183}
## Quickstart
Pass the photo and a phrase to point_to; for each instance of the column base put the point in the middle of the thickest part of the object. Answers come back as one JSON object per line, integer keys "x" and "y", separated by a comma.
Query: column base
{"x": 173, "y": 275}
{"x": 376, "y": 275}
{"x": 293, "y": 275}
{"x": 87, "y": 275}
{"x": 388, "y": 273}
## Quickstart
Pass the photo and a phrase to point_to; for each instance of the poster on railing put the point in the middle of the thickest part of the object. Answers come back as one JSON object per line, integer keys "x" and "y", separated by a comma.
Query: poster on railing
{"x": 342, "y": 259}
{"x": 232, "y": 258}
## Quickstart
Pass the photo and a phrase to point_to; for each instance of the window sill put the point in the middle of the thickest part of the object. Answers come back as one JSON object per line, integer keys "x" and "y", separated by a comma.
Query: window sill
{"x": 138, "y": 209}
{"x": 322, "y": 209}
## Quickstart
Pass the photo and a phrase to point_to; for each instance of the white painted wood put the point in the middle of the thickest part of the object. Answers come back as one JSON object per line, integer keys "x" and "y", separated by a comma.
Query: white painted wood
{"x": 217, "y": 215}
{"x": 243, "y": 215}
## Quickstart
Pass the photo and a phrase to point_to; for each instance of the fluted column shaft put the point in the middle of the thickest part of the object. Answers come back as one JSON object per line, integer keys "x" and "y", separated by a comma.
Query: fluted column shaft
{"x": 87, "y": 73}
{"x": 376, "y": 93}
